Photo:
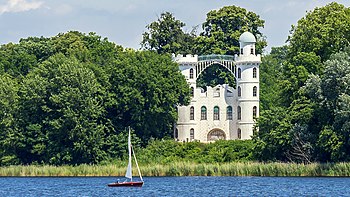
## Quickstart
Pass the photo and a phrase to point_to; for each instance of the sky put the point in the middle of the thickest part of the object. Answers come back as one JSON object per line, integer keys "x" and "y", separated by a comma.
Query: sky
{"x": 124, "y": 21}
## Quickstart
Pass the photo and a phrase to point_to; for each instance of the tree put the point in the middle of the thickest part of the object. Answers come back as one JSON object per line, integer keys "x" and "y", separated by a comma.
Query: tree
{"x": 9, "y": 136}
{"x": 223, "y": 28}
{"x": 323, "y": 31}
{"x": 62, "y": 114}
{"x": 166, "y": 36}
{"x": 319, "y": 34}
{"x": 271, "y": 78}
{"x": 145, "y": 89}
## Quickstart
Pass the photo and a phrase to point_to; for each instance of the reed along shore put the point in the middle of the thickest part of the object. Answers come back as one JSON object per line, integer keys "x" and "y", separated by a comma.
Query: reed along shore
{"x": 186, "y": 169}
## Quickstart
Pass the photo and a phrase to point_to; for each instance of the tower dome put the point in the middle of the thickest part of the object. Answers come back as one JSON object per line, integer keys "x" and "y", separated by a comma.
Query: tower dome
{"x": 247, "y": 37}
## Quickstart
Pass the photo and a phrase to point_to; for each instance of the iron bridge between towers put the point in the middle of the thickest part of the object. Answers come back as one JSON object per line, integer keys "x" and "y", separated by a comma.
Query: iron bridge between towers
{"x": 227, "y": 61}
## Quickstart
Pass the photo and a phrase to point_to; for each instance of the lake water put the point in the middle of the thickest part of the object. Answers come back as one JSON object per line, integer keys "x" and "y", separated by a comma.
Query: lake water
{"x": 177, "y": 186}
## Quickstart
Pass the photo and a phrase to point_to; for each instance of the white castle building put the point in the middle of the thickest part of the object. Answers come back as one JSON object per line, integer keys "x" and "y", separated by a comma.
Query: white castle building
{"x": 221, "y": 112}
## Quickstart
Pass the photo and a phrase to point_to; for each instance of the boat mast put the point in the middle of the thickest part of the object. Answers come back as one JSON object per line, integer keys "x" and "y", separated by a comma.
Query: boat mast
{"x": 129, "y": 170}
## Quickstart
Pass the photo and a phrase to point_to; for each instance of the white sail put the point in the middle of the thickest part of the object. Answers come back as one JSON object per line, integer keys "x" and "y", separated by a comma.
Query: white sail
{"x": 129, "y": 170}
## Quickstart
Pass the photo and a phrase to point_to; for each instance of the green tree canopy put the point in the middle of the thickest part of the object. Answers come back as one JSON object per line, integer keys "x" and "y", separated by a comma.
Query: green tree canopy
{"x": 323, "y": 31}
{"x": 166, "y": 35}
{"x": 223, "y": 28}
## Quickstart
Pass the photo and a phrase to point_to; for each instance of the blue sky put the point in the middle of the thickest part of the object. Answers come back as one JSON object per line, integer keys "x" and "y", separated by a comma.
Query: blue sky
{"x": 124, "y": 21}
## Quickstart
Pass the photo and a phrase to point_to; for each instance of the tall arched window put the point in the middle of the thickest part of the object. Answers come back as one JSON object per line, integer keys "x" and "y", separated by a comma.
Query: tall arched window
{"x": 255, "y": 89}
{"x": 252, "y": 51}
{"x": 176, "y": 133}
{"x": 229, "y": 113}
{"x": 192, "y": 113}
{"x": 192, "y": 134}
{"x": 239, "y": 133}
{"x": 254, "y": 111}
{"x": 239, "y": 91}
{"x": 191, "y": 73}
{"x": 241, "y": 50}
{"x": 254, "y": 72}
{"x": 192, "y": 91}
{"x": 239, "y": 113}
{"x": 216, "y": 113}
{"x": 203, "y": 113}
{"x": 239, "y": 73}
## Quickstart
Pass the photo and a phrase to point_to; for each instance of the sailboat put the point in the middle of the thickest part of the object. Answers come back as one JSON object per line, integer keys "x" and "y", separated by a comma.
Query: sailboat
{"x": 129, "y": 182}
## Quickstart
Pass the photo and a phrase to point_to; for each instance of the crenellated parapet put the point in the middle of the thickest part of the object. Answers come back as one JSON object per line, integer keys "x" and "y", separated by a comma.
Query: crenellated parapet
{"x": 181, "y": 59}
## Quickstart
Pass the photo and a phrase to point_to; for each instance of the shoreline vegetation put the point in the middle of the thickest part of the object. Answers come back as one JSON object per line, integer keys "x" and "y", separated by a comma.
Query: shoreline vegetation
{"x": 185, "y": 169}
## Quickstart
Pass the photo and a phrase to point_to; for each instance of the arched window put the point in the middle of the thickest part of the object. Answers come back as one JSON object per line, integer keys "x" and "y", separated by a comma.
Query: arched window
{"x": 191, "y": 73}
{"x": 239, "y": 113}
{"x": 216, "y": 113}
{"x": 255, "y": 89}
{"x": 191, "y": 134}
{"x": 192, "y": 91}
{"x": 241, "y": 50}
{"x": 254, "y": 111}
{"x": 229, "y": 113}
{"x": 254, "y": 72}
{"x": 239, "y": 133}
{"x": 176, "y": 133}
{"x": 192, "y": 113}
{"x": 239, "y": 91}
{"x": 239, "y": 72}
{"x": 203, "y": 113}
{"x": 252, "y": 51}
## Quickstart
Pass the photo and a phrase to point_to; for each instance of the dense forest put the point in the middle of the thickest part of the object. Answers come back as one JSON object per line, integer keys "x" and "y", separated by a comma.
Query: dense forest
{"x": 67, "y": 99}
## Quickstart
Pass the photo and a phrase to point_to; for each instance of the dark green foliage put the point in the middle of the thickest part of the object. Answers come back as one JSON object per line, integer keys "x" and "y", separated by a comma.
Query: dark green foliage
{"x": 308, "y": 120}
{"x": 214, "y": 75}
{"x": 223, "y": 28}
{"x": 166, "y": 36}
{"x": 169, "y": 151}
{"x": 68, "y": 99}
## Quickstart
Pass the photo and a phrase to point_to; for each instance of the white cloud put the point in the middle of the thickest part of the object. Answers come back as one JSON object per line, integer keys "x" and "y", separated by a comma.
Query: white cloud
{"x": 19, "y": 6}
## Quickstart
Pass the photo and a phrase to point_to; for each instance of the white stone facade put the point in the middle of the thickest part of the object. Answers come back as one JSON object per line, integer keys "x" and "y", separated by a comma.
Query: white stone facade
{"x": 221, "y": 112}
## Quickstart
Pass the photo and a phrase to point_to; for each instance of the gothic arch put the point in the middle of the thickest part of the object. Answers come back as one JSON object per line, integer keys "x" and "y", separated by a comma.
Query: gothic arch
{"x": 226, "y": 61}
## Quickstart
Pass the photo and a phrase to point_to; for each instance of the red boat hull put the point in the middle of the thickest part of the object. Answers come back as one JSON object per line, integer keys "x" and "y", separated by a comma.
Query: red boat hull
{"x": 126, "y": 184}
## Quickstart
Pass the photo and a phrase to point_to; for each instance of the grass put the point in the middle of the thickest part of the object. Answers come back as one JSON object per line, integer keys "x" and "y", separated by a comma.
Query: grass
{"x": 186, "y": 169}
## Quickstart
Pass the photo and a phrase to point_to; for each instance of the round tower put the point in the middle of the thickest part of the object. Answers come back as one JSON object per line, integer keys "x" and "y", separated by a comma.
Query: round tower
{"x": 187, "y": 115}
{"x": 247, "y": 76}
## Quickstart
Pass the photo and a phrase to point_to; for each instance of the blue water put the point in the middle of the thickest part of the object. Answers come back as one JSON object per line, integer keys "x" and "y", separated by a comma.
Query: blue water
{"x": 177, "y": 186}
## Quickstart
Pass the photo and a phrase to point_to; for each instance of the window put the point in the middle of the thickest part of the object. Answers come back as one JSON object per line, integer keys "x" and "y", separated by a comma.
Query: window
{"x": 191, "y": 73}
{"x": 255, "y": 89}
{"x": 241, "y": 50}
{"x": 203, "y": 113}
{"x": 239, "y": 113}
{"x": 254, "y": 72}
{"x": 239, "y": 133}
{"x": 252, "y": 51}
{"x": 192, "y": 113}
{"x": 176, "y": 134}
{"x": 239, "y": 73}
{"x": 239, "y": 91}
{"x": 191, "y": 134}
{"x": 254, "y": 111}
{"x": 229, "y": 113}
{"x": 216, "y": 113}
{"x": 192, "y": 91}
